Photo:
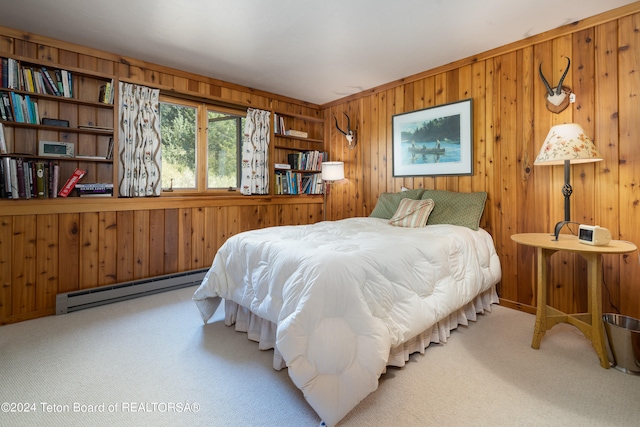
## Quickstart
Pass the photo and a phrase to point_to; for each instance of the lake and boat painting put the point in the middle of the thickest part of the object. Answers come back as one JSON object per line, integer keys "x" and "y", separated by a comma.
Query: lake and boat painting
{"x": 433, "y": 141}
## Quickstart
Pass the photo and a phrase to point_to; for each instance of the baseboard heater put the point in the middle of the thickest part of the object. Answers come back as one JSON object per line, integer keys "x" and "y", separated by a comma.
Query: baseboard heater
{"x": 79, "y": 300}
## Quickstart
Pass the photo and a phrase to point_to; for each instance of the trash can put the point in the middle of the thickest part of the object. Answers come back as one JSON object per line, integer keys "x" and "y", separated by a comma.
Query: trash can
{"x": 623, "y": 333}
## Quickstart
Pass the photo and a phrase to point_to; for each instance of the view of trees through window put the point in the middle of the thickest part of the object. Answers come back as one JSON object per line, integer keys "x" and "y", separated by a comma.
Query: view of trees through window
{"x": 223, "y": 149}
{"x": 178, "y": 127}
{"x": 184, "y": 157}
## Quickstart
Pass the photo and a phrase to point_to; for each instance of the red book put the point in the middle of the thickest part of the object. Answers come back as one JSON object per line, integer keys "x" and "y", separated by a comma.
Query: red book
{"x": 71, "y": 182}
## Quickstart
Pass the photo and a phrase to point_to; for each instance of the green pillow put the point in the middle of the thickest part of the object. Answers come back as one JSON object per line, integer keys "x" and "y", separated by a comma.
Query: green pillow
{"x": 455, "y": 208}
{"x": 388, "y": 202}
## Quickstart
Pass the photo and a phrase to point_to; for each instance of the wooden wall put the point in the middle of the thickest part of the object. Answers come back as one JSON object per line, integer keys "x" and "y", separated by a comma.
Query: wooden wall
{"x": 510, "y": 124}
{"x": 61, "y": 245}
{"x": 42, "y": 255}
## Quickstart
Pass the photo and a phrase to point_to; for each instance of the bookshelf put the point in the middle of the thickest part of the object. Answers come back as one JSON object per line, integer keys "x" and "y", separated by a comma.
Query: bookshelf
{"x": 302, "y": 137}
{"x": 48, "y": 102}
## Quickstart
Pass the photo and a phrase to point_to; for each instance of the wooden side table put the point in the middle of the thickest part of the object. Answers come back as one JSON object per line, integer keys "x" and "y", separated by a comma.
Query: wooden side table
{"x": 589, "y": 323}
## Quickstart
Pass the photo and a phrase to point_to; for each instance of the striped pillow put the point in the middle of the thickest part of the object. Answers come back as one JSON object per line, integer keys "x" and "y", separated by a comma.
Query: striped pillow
{"x": 412, "y": 213}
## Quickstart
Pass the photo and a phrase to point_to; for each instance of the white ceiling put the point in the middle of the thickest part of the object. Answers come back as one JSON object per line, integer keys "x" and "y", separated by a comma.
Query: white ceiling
{"x": 317, "y": 51}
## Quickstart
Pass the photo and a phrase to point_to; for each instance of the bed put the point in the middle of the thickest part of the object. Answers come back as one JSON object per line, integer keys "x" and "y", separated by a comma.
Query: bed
{"x": 339, "y": 301}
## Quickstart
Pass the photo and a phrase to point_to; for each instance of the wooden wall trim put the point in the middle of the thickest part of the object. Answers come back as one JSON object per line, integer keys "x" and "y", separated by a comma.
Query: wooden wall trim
{"x": 81, "y": 205}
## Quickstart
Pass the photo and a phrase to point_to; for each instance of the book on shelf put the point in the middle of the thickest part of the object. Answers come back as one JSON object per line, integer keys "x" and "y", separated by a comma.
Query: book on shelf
{"x": 84, "y": 157}
{"x": 296, "y": 133}
{"x": 5, "y": 72}
{"x": 50, "y": 83}
{"x": 71, "y": 182}
{"x": 41, "y": 185}
{"x": 5, "y": 175}
{"x": 55, "y": 181}
{"x": 109, "y": 155}
{"x": 14, "y": 179}
{"x": 95, "y": 127}
{"x": 106, "y": 93}
{"x": 58, "y": 75}
{"x": 278, "y": 124}
{"x": 3, "y": 111}
{"x": 3, "y": 190}
{"x": 95, "y": 195}
{"x": 3, "y": 141}
{"x": 95, "y": 186}
{"x": 96, "y": 189}
{"x": 23, "y": 179}
{"x": 65, "y": 77}
{"x": 6, "y": 101}
{"x": 282, "y": 166}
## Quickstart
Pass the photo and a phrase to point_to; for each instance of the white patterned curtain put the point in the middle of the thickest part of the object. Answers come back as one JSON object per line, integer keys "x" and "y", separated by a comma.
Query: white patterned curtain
{"x": 255, "y": 153}
{"x": 139, "y": 148}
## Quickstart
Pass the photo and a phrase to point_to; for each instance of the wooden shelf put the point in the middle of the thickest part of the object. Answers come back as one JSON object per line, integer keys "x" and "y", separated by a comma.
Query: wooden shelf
{"x": 55, "y": 158}
{"x": 300, "y": 116}
{"x": 92, "y": 123}
{"x": 297, "y": 138}
{"x": 58, "y": 98}
{"x": 58, "y": 128}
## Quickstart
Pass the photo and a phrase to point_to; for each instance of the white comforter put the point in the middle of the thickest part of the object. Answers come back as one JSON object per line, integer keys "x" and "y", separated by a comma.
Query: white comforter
{"x": 344, "y": 293}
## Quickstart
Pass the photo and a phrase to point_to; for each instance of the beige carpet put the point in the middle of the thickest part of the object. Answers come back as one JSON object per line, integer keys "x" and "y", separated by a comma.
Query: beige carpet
{"x": 151, "y": 362}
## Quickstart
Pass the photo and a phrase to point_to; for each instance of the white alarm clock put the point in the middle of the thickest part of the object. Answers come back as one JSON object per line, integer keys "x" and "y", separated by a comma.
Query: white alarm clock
{"x": 593, "y": 235}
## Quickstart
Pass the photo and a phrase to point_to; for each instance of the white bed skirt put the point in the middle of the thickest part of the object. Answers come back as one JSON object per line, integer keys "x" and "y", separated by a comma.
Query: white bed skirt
{"x": 264, "y": 332}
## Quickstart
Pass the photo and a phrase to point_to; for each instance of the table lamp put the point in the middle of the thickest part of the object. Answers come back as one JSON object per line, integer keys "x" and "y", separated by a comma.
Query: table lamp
{"x": 566, "y": 144}
{"x": 331, "y": 171}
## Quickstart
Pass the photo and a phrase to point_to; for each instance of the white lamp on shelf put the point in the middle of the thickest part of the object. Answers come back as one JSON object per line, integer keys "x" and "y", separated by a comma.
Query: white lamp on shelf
{"x": 566, "y": 144}
{"x": 331, "y": 171}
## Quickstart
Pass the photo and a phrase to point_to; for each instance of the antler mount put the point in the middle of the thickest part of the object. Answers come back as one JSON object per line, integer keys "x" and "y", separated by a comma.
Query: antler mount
{"x": 349, "y": 134}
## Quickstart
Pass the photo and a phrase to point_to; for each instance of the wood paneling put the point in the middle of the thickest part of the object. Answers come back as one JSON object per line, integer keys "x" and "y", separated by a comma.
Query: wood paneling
{"x": 63, "y": 245}
{"x": 510, "y": 124}
{"x": 67, "y": 252}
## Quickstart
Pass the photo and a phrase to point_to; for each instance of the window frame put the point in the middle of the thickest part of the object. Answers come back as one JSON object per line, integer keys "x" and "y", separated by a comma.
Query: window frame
{"x": 202, "y": 133}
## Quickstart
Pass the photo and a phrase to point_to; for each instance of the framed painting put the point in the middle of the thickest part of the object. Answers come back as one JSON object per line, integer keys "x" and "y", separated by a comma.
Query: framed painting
{"x": 434, "y": 141}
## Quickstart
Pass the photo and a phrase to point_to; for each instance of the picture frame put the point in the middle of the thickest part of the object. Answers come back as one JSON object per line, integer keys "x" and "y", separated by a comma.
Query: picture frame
{"x": 434, "y": 141}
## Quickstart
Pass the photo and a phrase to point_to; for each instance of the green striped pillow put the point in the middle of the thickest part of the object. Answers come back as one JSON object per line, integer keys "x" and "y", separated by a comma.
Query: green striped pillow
{"x": 412, "y": 213}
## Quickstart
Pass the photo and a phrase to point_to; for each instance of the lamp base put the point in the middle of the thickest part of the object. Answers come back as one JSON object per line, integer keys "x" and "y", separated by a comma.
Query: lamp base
{"x": 559, "y": 226}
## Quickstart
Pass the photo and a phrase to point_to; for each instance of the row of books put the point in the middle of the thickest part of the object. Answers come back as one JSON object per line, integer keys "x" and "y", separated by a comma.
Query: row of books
{"x": 307, "y": 160}
{"x": 288, "y": 182}
{"x": 29, "y": 179}
{"x": 26, "y": 179}
{"x": 35, "y": 79}
{"x": 19, "y": 108}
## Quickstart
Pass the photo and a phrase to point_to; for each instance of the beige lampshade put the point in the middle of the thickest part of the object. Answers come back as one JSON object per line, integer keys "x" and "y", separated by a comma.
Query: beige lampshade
{"x": 567, "y": 142}
{"x": 332, "y": 171}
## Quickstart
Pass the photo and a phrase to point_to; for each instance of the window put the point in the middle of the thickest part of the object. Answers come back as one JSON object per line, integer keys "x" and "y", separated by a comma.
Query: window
{"x": 201, "y": 146}
{"x": 224, "y": 144}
